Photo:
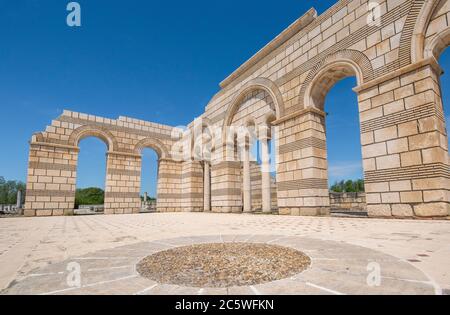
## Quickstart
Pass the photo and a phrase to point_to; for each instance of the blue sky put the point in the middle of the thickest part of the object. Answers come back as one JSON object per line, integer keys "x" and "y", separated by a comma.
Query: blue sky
{"x": 155, "y": 60}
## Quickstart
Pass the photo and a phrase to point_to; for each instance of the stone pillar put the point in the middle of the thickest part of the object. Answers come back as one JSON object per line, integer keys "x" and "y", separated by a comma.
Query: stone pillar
{"x": 302, "y": 177}
{"x": 247, "y": 182}
{"x": 266, "y": 178}
{"x": 226, "y": 180}
{"x": 123, "y": 183}
{"x": 169, "y": 186}
{"x": 192, "y": 186}
{"x": 206, "y": 187}
{"x": 51, "y": 180}
{"x": 19, "y": 199}
{"x": 404, "y": 141}
{"x": 226, "y": 193}
{"x": 145, "y": 198}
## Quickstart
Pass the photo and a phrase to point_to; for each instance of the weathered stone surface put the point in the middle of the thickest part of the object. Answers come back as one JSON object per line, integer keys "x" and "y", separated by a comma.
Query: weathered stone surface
{"x": 337, "y": 267}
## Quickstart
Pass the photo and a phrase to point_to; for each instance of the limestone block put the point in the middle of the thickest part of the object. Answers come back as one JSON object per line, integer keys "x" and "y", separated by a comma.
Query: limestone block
{"x": 402, "y": 210}
{"x": 436, "y": 209}
{"x": 379, "y": 210}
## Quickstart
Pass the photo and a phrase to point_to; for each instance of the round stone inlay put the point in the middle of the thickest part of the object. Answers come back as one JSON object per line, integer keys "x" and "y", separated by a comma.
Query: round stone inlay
{"x": 223, "y": 265}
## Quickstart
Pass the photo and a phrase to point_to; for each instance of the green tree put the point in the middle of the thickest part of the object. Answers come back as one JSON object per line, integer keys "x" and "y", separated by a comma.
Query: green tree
{"x": 148, "y": 198}
{"x": 348, "y": 186}
{"x": 8, "y": 191}
{"x": 337, "y": 187}
{"x": 360, "y": 185}
{"x": 89, "y": 196}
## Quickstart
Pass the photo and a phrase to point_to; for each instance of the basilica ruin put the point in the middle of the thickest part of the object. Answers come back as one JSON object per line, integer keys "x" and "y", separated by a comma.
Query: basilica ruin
{"x": 392, "y": 47}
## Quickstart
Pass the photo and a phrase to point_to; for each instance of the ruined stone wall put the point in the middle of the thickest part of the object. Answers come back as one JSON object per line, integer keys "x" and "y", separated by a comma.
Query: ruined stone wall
{"x": 53, "y": 163}
{"x": 348, "y": 201}
{"x": 404, "y": 139}
{"x": 395, "y": 89}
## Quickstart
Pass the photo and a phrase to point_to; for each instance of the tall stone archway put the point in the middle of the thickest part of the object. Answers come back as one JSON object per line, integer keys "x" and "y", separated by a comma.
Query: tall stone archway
{"x": 254, "y": 103}
{"x": 303, "y": 186}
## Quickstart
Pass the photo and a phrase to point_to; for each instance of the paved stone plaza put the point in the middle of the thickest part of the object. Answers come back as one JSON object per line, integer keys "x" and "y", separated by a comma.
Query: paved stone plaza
{"x": 413, "y": 256}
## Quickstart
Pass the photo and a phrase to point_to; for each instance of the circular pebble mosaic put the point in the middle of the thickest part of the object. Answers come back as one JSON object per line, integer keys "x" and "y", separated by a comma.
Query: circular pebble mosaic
{"x": 223, "y": 265}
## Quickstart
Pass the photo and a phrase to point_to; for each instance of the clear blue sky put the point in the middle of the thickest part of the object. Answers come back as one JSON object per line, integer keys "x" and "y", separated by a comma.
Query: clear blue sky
{"x": 156, "y": 60}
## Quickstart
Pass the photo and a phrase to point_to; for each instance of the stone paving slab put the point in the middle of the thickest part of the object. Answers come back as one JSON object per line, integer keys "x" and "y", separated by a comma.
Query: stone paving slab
{"x": 30, "y": 247}
{"x": 345, "y": 273}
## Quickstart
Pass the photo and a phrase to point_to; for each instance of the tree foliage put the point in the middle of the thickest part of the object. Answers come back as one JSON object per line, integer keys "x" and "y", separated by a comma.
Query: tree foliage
{"x": 348, "y": 186}
{"x": 89, "y": 196}
{"x": 8, "y": 191}
{"x": 149, "y": 199}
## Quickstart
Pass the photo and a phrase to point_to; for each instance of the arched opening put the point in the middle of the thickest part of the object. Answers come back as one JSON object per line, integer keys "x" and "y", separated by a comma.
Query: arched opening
{"x": 338, "y": 136}
{"x": 203, "y": 147}
{"x": 263, "y": 167}
{"x": 444, "y": 62}
{"x": 149, "y": 180}
{"x": 268, "y": 157}
{"x": 344, "y": 155}
{"x": 325, "y": 79}
{"x": 250, "y": 170}
{"x": 91, "y": 176}
{"x": 254, "y": 107}
{"x": 152, "y": 151}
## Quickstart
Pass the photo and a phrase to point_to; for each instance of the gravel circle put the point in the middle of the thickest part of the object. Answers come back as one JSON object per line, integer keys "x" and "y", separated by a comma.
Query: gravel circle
{"x": 223, "y": 265}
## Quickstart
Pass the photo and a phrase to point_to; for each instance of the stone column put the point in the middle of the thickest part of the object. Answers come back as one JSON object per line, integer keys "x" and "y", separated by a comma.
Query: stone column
{"x": 207, "y": 187}
{"x": 169, "y": 197}
{"x": 404, "y": 139}
{"x": 226, "y": 180}
{"x": 51, "y": 180}
{"x": 247, "y": 183}
{"x": 123, "y": 183}
{"x": 145, "y": 198}
{"x": 265, "y": 174}
{"x": 19, "y": 199}
{"x": 302, "y": 177}
{"x": 226, "y": 191}
{"x": 192, "y": 186}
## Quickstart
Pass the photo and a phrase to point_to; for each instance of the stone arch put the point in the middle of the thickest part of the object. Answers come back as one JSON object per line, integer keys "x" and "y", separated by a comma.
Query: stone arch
{"x": 255, "y": 84}
{"x": 329, "y": 71}
{"x": 154, "y": 144}
{"x": 436, "y": 46}
{"x": 93, "y": 131}
{"x": 407, "y": 44}
{"x": 251, "y": 125}
{"x": 269, "y": 118}
{"x": 250, "y": 122}
{"x": 267, "y": 121}
{"x": 199, "y": 129}
{"x": 421, "y": 17}
{"x": 208, "y": 124}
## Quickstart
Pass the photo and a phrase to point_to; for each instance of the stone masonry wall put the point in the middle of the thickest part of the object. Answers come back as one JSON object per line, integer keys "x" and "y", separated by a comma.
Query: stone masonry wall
{"x": 393, "y": 56}
{"x": 348, "y": 201}
{"x": 53, "y": 162}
